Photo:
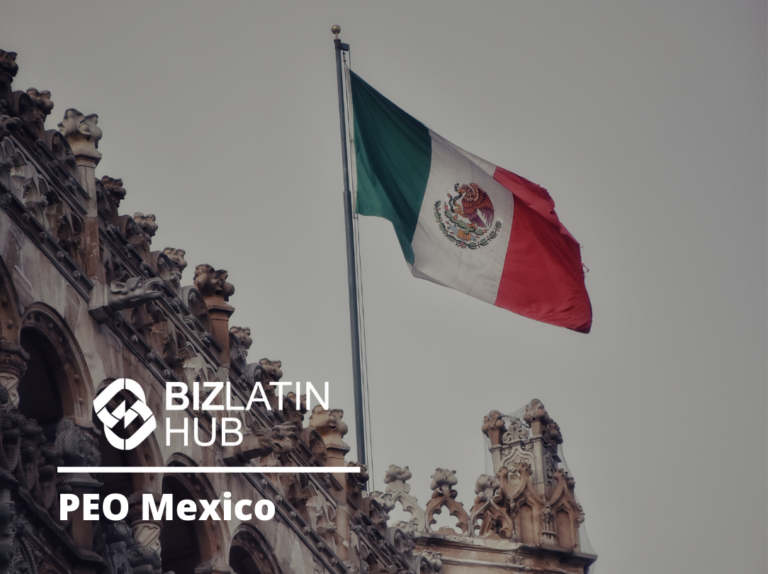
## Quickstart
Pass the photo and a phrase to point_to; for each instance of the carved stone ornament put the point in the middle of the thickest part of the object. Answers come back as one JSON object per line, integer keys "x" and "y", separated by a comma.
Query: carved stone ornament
{"x": 80, "y": 130}
{"x": 177, "y": 256}
{"x": 39, "y": 110}
{"x": 264, "y": 443}
{"x": 13, "y": 365}
{"x": 493, "y": 427}
{"x": 132, "y": 293}
{"x": 109, "y": 195}
{"x": 517, "y": 431}
{"x": 495, "y": 521}
{"x": 395, "y": 478}
{"x": 429, "y": 562}
{"x": 329, "y": 425}
{"x": 541, "y": 423}
{"x": 8, "y": 66}
{"x": 125, "y": 555}
{"x": 519, "y": 499}
{"x": 267, "y": 371}
{"x": 211, "y": 282}
{"x": 239, "y": 342}
{"x": 147, "y": 224}
{"x": 443, "y": 495}
{"x": 563, "y": 513}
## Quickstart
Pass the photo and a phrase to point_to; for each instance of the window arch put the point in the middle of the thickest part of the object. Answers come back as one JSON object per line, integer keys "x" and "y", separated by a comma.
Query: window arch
{"x": 249, "y": 552}
{"x": 57, "y": 383}
{"x": 204, "y": 542}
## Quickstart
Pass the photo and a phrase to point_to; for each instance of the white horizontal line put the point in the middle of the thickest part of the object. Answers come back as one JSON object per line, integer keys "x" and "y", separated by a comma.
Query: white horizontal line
{"x": 209, "y": 469}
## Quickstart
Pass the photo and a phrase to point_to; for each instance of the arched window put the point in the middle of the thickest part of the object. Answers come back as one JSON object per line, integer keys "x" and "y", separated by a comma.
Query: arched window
{"x": 179, "y": 539}
{"x": 39, "y": 396}
{"x": 56, "y": 383}
{"x": 250, "y": 554}
{"x": 186, "y": 545}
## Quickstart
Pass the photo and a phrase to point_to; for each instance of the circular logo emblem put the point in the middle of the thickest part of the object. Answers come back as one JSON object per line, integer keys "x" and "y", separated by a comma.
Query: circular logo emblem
{"x": 467, "y": 219}
{"x": 139, "y": 409}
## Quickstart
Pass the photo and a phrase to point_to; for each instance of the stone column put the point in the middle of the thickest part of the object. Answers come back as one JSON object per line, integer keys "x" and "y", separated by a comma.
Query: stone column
{"x": 80, "y": 485}
{"x": 332, "y": 429}
{"x": 83, "y": 136}
{"x": 13, "y": 365}
{"x": 493, "y": 427}
{"x": 215, "y": 290}
{"x": 545, "y": 436}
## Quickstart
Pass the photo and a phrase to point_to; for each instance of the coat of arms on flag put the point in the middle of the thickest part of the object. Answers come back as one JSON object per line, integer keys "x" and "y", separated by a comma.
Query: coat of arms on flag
{"x": 469, "y": 217}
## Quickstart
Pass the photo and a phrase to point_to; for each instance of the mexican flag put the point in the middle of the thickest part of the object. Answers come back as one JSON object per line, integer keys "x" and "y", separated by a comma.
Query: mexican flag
{"x": 461, "y": 221}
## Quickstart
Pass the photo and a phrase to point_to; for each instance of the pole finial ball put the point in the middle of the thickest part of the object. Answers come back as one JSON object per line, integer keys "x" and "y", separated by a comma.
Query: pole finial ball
{"x": 336, "y": 29}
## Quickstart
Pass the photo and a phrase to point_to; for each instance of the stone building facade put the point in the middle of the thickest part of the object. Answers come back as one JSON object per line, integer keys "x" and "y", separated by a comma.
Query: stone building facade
{"x": 85, "y": 300}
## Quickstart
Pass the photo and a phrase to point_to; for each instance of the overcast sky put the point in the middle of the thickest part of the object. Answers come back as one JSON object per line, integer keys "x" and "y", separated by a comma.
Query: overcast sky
{"x": 646, "y": 121}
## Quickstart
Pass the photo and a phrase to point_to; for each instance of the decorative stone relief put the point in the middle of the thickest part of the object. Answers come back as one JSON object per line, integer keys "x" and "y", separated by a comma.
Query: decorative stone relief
{"x": 541, "y": 423}
{"x": 403, "y": 538}
{"x": 211, "y": 282}
{"x": 124, "y": 552}
{"x": 8, "y": 70}
{"x": 495, "y": 521}
{"x": 239, "y": 342}
{"x": 493, "y": 427}
{"x": 329, "y": 425}
{"x": 517, "y": 431}
{"x": 132, "y": 293}
{"x": 396, "y": 478}
{"x": 193, "y": 300}
{"x": 379, "y": 505}
{"x": 80, "y": 130}
{"x": 322, "y": 516}
{"x": 293, "y": 412}
{"x": 64, "y": 158}
{"x": 430, "y": 561}
{"x": 13, "y": 365}
{"x": 443, "y": 495}
{"x": 138, "y": 241}
{"x": 564, "y": 513}
{"x": 109, "y": 195}
{"x": 515, "y": 454}
{"x": 39, "y": 110}
{"x": 314, "y": 442}
{"x": 518, "y": 497}
{"x": 147, "y": 224}
{"x": 147, "y": 534}
{"x": 177, "y": 257}
{"x": 267, "y": 444}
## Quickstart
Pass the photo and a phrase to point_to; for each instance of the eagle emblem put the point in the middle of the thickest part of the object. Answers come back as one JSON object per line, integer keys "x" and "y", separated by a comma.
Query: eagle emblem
{"x": 467, "y": 219}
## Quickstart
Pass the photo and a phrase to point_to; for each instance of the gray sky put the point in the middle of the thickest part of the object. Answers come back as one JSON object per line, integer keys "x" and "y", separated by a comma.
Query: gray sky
{"x": 645, "y": 120}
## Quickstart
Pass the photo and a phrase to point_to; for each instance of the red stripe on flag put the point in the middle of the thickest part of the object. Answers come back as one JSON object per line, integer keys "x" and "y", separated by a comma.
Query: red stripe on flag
{"x": 542, "y": 277}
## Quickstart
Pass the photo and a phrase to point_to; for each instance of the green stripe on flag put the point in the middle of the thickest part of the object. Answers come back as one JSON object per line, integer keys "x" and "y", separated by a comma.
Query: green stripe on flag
{"x": 393, "y": 152}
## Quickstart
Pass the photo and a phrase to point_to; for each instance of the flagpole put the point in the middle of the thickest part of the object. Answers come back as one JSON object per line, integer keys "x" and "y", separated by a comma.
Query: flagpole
{"x": 351, "y": 269}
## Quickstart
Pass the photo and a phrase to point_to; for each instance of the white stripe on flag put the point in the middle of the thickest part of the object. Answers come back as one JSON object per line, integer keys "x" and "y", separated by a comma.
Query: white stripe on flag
{"x": 476, "y": 272}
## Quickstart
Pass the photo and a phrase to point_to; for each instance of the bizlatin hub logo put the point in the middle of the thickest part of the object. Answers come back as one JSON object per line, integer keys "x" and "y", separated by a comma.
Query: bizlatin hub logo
{"x": 122, "y": 413}
{"x": 177, "y": 399}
